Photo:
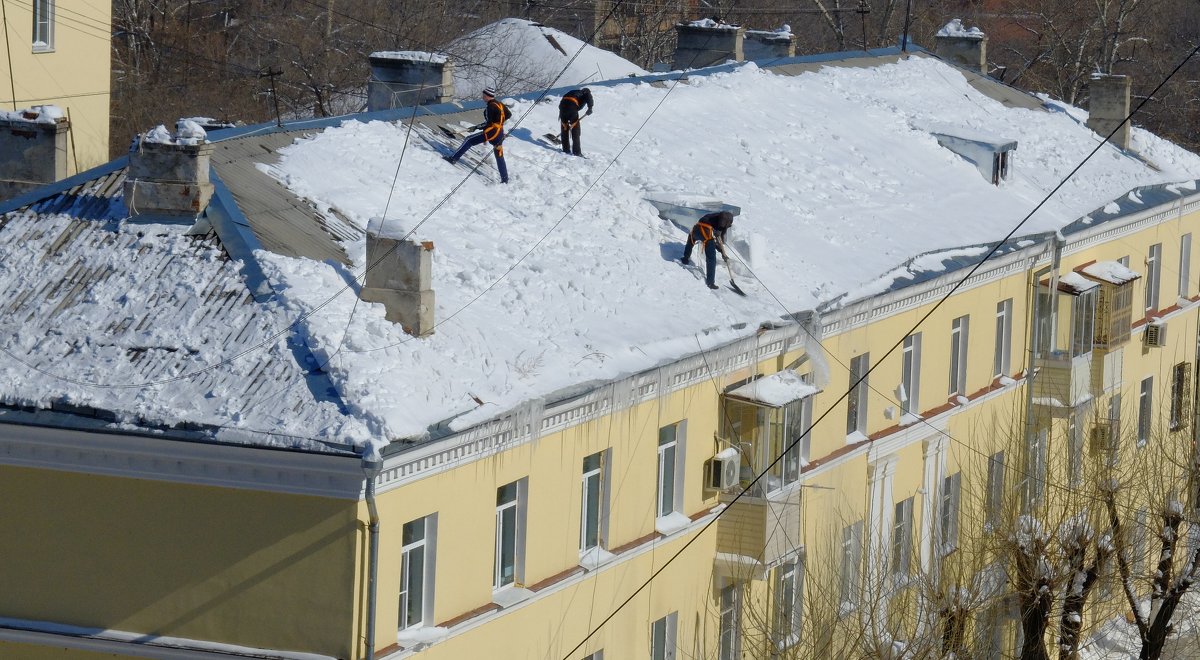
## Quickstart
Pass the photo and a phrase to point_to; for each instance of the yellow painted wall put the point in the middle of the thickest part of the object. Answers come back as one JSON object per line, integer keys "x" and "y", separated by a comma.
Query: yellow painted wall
{"x": 74, "y": 75}
{"x": 236, "y": 566}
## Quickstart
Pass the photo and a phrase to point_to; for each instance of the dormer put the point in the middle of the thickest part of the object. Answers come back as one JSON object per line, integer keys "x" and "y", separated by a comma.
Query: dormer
{"x": 992, "y": 156}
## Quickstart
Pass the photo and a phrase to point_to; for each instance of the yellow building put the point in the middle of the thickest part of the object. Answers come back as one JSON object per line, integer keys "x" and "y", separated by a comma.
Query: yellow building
{"x": 196, "y": 462}
{"x": 59, "y": 54}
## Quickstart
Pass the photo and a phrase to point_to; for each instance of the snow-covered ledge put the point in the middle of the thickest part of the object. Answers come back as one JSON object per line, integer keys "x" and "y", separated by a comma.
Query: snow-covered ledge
{"x": 510, "y": 596}
{"x": 671, "y": 523}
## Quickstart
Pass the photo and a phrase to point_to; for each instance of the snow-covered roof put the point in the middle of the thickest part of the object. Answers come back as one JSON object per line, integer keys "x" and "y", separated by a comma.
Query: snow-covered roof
{"x": 514, "y": 56}
{"x": 1109, "y": 271}
{"x": 775, "y": 390}
{"x": 561, "y": 280}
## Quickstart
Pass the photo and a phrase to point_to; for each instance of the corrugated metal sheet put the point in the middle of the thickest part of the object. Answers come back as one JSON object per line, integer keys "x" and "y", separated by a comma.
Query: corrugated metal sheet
{"x": 283, "y": 223}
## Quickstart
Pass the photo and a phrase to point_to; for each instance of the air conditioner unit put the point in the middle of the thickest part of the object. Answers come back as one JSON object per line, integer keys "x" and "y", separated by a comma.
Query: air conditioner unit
{"x": 724, "y": 470}
{"x": 1156, "y": 334}
{"x": 1102, "y": 438}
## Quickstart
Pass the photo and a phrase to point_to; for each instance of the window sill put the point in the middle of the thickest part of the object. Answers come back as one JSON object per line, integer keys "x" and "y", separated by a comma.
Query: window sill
{"x": 594, "y": 558}
{"x": 508, "y": 596}
{"x": 787, "y": 642}
{"x": 42, "y": 48}
{"x": 671, "y": 523}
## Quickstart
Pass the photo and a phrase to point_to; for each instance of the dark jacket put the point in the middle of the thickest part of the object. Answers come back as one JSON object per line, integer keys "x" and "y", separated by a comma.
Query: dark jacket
{"x": 494, "y": 116}
{"x": 712, "y": 225}
{"x": 573, "y": 101}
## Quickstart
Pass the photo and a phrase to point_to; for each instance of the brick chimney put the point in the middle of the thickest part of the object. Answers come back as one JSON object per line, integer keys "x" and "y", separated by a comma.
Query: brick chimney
{"x": 1108, "y": 106}
{"x": 705, "y": 43}
{"x": 401, "y": 277}
{"x": 168, "y": 176}
{"x": 769, "y": 45}
{"x": 408, "y": 78}
{"x": 33, "y": 149}
{"x": 961, "y": 46}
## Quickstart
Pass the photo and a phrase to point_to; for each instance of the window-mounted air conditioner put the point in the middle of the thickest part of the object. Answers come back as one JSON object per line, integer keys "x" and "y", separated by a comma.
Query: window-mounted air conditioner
{"x": 724, "y": 470}
{"x": 1156, "y": 334}
{"x": 1102, "y": 438}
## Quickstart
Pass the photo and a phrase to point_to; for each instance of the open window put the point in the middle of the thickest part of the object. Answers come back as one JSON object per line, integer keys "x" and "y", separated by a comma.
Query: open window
{"x": 769, "y": 419}
{"x": 1066, "y": 323}
{"x": 1114, "y": 302}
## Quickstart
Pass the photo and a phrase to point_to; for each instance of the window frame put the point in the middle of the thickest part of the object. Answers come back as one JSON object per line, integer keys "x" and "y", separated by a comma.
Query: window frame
{"x": 43, "y": 26}
{"x": 1002, "y": 355}
{"x": 785, "y": 622}
{"x": 959, "y": 342}
{"x": 426, "y": 547}
{"x": 850, "y": 582}
{"x": 902, "y": 542}
{"x": 856, "y": 402}
{"x": 729, "y": 601}
{"x": 994, "y": 502}
{"x": 673, "y": 446}
{"x": 910, "y": 375}
{"x": 1145, "y": 422}
{"x": 949, "y": 512}
{"x": 669, "y": 627}
{"x": 516, "y": 508}
{"x": 1181, "y": 385}
{"x": 1153, "y": 276}
{"x": 593, "y": 485}
{"x": 1083, "y": 322}
{"x": 1185, "y": 265}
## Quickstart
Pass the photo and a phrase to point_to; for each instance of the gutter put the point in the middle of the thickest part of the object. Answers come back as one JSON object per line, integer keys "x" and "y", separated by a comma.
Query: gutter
{"x": 372, "y": 465}
{"x": 1057, "y": 244}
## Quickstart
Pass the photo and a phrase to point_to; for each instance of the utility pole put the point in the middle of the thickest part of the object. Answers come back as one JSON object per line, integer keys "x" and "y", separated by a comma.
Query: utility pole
{"x": 907, "y": 19}
{"x": 863, "y": 10}
{"x": 271, "y": 73}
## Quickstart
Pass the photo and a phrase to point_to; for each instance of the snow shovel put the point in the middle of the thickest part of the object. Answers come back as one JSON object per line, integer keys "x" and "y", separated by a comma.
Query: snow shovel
{"x": 732, "y": 282}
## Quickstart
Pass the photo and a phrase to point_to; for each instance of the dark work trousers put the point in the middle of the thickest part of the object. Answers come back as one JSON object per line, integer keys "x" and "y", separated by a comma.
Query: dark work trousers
{"x": 568, "y": 120}
{"x": 497, "y": 146}
{"x": 710, "y": 259}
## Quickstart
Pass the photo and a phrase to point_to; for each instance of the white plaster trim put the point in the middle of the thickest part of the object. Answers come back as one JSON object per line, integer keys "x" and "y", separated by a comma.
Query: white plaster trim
{"x": 163, "y": 459}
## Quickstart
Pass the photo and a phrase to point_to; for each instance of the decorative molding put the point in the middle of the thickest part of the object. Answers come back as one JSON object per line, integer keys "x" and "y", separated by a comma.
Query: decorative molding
{"x": 164, "y": 459}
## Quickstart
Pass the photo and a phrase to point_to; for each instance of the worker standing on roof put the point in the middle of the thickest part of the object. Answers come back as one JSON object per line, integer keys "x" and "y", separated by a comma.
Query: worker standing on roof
{"x": 568, "y": 118}
{"x": 711, "y": 231}
{"x": 495, "y": 114}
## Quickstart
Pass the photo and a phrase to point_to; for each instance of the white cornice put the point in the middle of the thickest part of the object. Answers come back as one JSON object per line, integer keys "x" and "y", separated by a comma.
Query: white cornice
{"x": 162, "y": 459}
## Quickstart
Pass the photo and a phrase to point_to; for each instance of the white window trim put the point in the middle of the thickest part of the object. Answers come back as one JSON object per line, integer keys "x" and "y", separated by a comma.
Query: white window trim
{"x": 950, "y": 513}
{"x": 734, "y": 612}
{"x": 1185, "y": 265}
{"x": 46, "y": 45}
{"x": 520, "y": 505}
{"x": 857, "y": 401}
{"x": 1153, "y": 278}
{"x": 680, "y": 443}
{"x": 994, "y": 502}
{"x": 959, "y": 329}
{"x": 1002, "y": 356}
{"x": 910, "y": 403}
{"x": 1145, "y": 419}
{"x": 670, "y": 624}
{"x": 427, "y": 545}
{"x": 783, "y": 641}
{"x": 602, "y": 484}
{"x": 850, "y": 574}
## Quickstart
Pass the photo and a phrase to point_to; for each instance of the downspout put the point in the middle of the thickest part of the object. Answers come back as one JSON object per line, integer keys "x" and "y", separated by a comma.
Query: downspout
{"x": 1035, "y": 340}
{"x": 372, "y": 465}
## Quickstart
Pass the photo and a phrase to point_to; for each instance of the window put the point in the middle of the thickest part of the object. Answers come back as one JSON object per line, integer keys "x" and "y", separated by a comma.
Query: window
{"x": 856, "y": 416}
{"x": 1035, "y": 468}
{"x": 1075, "y": 447}
{"x": 416, "y": 571}
{"x": 597, "y": 655}
{"x": 1114, "y": 429}
{"x": 902, "y": 542}
{"x": 668, "y": 470}
{"x": 993, "y": 506}
{"x": 1181, "y": 389}
{"x": 910, "y": 375}
{"x": 1003, "y": 353}
{"x": 852, "y": 542}
{"x": 729, "y": 642}
{"x": 791, "y": 439}
{"x": 594, "y": 504}
{"x": 951, "y": 498}
{"x": 662, "y": 637}
{"x": 1083, "y": 323}
{"x": 1145, "y": 400}
{"x": 510, "y": 533}
{"x": 1043, "y": 323}
{"x": 1153, "y": 274}
{"x": 958, "y": 355}
{"x": 1185, "y": 264}
{"x": 788, "y": 584}
{"x": 43, "y": 25}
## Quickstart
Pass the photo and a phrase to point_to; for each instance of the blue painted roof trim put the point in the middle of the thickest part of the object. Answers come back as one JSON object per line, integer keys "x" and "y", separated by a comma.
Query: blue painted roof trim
{"x": 58, "y": 187}
{"x": 237, "y": 236}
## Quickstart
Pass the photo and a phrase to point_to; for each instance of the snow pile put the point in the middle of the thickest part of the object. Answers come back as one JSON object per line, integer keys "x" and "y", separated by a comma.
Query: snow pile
{"x": 712, "y": 24}
{"x": 568, "y": 275}
{"x": 413, "y": 55}
{"x": 1109, "y": 271}
{"x": 778, "y": 389}
{"x": 515, "y": 56}
{"x": 955, "y": 29}
{"x": 40, "y": 114}
{"x": 187, "y": 131}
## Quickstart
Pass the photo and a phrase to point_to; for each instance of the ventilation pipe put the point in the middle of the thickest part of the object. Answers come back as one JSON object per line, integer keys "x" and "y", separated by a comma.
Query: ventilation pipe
{"x": 706, "y": 43}
{"x": 168, "y": 174}
{"x": 372, "y": 465}
{"x": 769, "y": 45}
{"x": 964, "y": 47}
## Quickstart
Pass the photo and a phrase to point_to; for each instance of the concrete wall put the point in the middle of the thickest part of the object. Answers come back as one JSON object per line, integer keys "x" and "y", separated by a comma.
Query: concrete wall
{"x": 969, "y": 52}
{"x": 398, "y": 82}
{"x": 32, "y": 154}
{"x": 760, "y": 45}
{"x": 73, "y": 74}
{"x": 699, "y": 47}
{"x": 1108, "y": 106}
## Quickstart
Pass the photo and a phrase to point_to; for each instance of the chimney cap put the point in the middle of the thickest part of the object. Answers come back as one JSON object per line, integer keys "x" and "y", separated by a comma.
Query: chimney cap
{"x": 955, "y": 30}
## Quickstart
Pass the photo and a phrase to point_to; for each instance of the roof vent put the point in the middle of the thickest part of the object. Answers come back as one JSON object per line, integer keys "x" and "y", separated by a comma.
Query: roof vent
{"x": 399, "y": 275}
{"x": 168, "y": 175}
{"x": 992, "y": 156}
{"x": 706, "y": 43}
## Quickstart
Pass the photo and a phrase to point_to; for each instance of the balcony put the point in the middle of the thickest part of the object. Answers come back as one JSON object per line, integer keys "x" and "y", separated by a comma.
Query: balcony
{"x": 764, "y": 529}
